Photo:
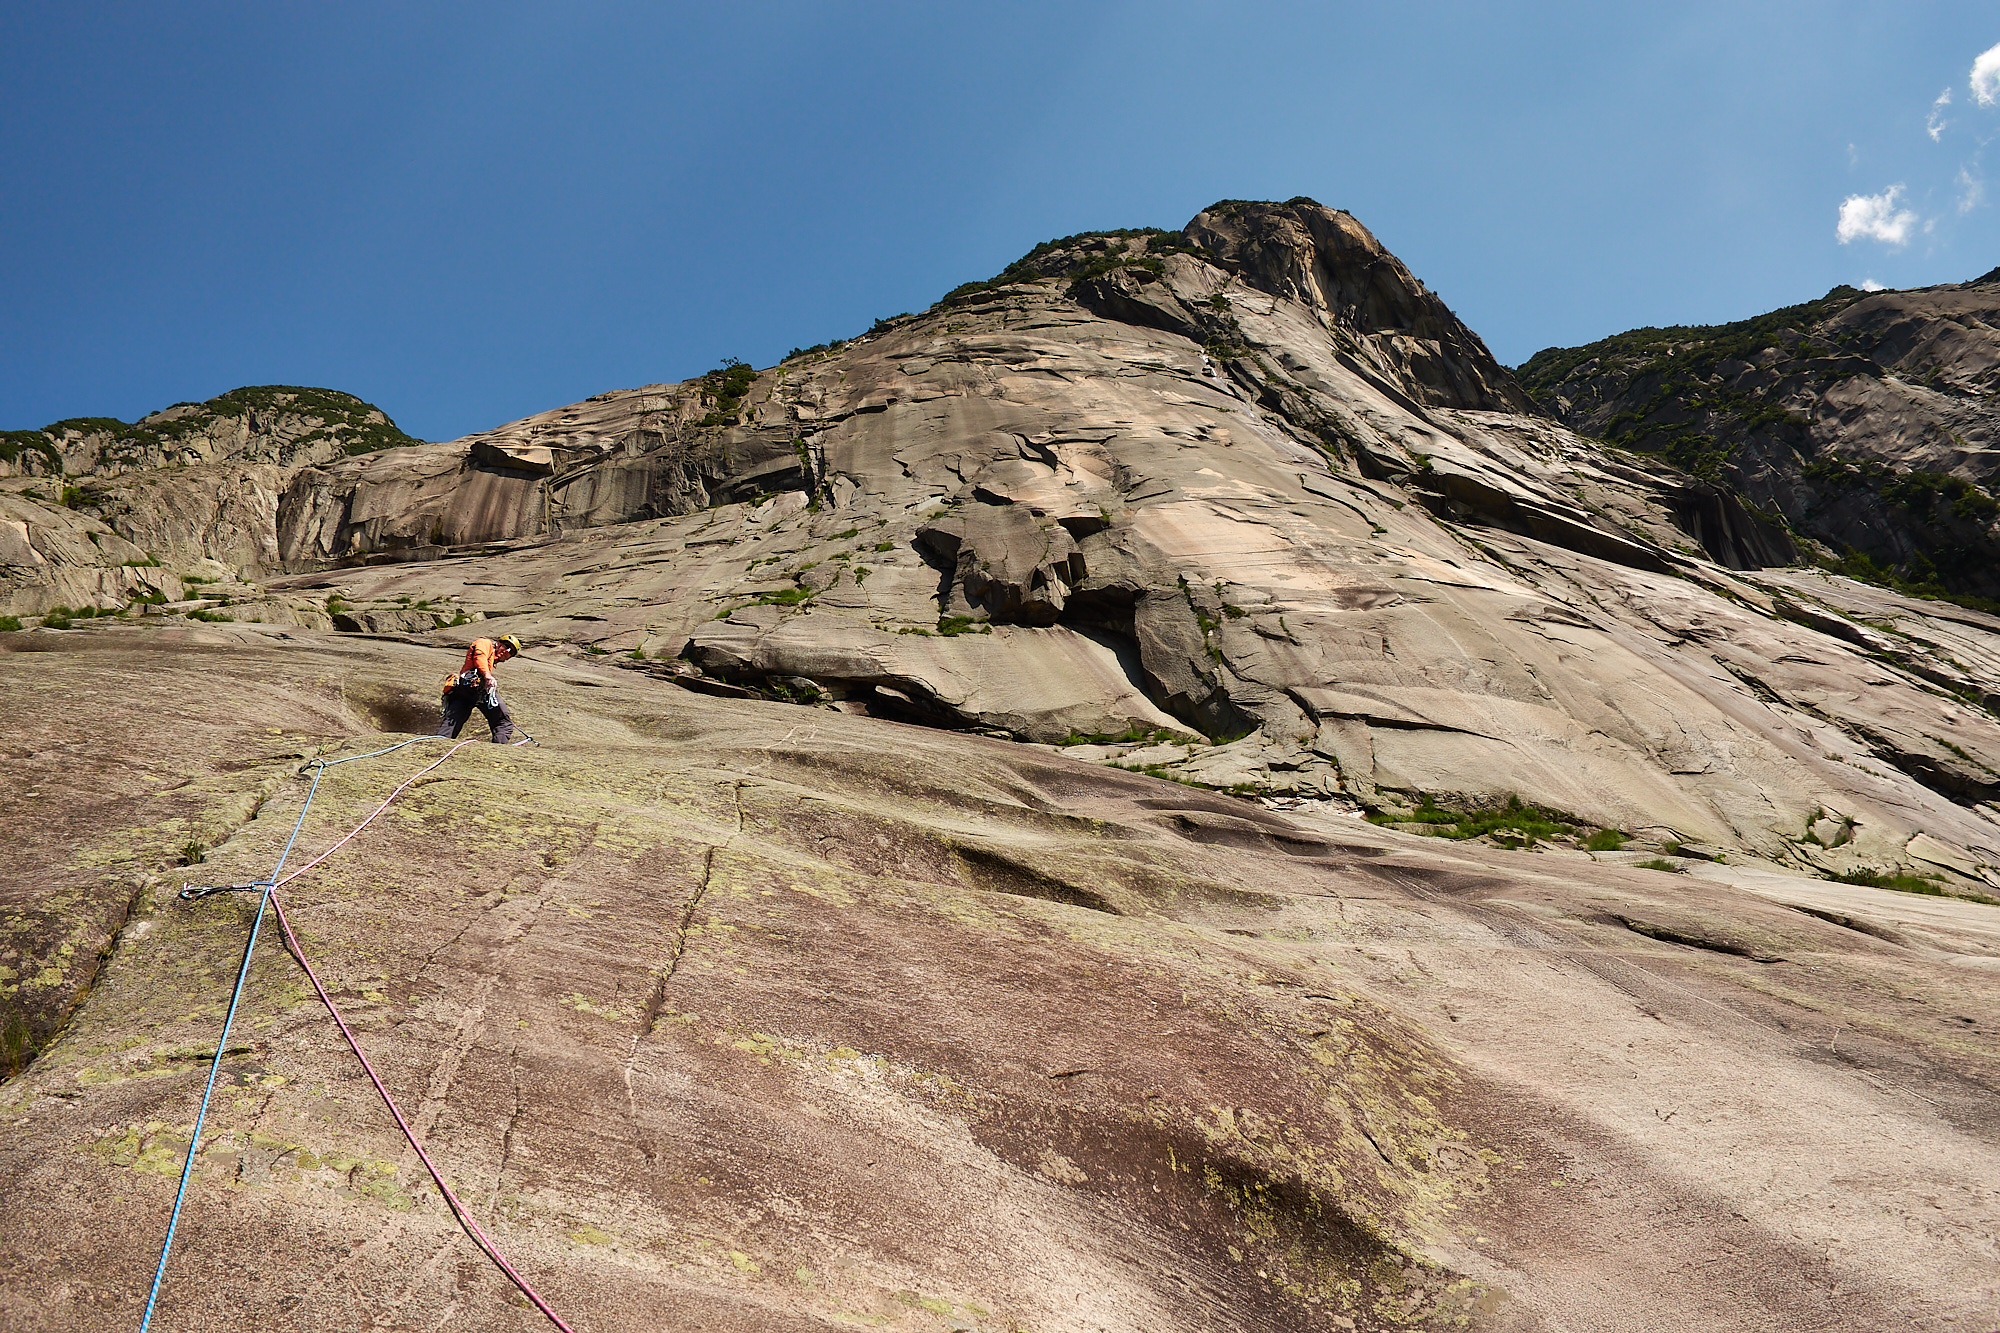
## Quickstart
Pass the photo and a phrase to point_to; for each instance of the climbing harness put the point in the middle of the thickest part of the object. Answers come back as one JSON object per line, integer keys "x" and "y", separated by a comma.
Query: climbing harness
{"x": 268, "y": 888}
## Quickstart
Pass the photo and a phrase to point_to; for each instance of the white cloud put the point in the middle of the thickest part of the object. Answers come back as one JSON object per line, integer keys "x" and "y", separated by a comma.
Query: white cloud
{"x": 1875, "y": 217}
{"x": 1986, "y": 77}
{"x": 1935, "y": 122}
{"x": 1971, "y": 191}
{"x": 1870, "y": 285}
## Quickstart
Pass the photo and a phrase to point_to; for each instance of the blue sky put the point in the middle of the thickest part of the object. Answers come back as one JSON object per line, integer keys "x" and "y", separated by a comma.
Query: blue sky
{"x": 468, "y": 213}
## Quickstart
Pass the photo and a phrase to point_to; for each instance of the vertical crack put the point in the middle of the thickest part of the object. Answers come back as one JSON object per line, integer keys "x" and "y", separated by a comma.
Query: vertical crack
{"x": 18, "y": 1045}
{"x": 656, "y": 1003}
{"x": 513, "y": 1119}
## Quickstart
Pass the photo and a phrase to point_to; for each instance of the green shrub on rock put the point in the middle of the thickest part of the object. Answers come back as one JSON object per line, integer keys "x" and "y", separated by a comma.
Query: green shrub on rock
{"x": 1514, "y": 826}
{"x": 724, "y": 387}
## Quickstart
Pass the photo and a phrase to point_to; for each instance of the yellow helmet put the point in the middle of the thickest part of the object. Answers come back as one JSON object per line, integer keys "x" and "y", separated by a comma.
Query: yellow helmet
{"x": 512, "y": 642}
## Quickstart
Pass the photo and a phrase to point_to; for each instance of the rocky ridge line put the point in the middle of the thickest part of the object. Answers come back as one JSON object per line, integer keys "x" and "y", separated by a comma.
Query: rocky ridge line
{"x": 100, "y": 514}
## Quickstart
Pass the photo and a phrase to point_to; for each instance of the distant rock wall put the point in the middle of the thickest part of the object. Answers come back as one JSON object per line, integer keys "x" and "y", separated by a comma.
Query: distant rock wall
{"x": 616, "y": 458}
{"x": 1865, "y": 422}
{"x": 193, "y": 489}
{"x": 1179, "y": 489}
{"x": 51, "y": 556}
{"x": 1081, "y": 506}
{"x": 284, "y": 424}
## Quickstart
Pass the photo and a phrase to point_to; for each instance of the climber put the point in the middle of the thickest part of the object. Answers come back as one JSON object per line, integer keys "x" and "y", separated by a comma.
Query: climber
{"x": 474, "y": 686}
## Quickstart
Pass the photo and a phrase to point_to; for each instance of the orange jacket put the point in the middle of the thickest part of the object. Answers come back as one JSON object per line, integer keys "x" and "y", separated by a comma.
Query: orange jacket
{"x": 478, "y": 662}
{"x": 479, "y": 657}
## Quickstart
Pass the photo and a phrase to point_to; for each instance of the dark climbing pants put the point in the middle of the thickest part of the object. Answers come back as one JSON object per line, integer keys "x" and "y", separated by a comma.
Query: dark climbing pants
{"x": 460, "y": 700}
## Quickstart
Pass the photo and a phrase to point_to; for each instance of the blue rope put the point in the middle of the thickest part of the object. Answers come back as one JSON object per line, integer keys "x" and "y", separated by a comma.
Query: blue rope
{"x": 334, "y": 763}
{"x": 267, "y": 884}
{"x": 194, "y": 1143}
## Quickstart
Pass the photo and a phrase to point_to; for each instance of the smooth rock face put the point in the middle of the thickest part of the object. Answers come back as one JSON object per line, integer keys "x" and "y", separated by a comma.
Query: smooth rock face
{"x": 1392, "y": 598}
{"x": 50, "y": 556}
{"x": 752, "y": 1017}
{"x": 222, "y": 513}
{"x": 732, "y": 1013}
{"x": 1042, "y": 685}
{"x": 1205, "y": 492}
{"x": 1867, "y": 420}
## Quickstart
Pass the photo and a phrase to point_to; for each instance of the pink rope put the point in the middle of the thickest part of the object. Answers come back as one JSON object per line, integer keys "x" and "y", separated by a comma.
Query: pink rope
{"x": 371, "y": 814}
{"x": 451, "y": 1199}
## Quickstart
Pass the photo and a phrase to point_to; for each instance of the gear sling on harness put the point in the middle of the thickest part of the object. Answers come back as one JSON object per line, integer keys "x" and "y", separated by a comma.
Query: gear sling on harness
{"x": 465, "y": 691}
{"x": 269, "y": 897}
